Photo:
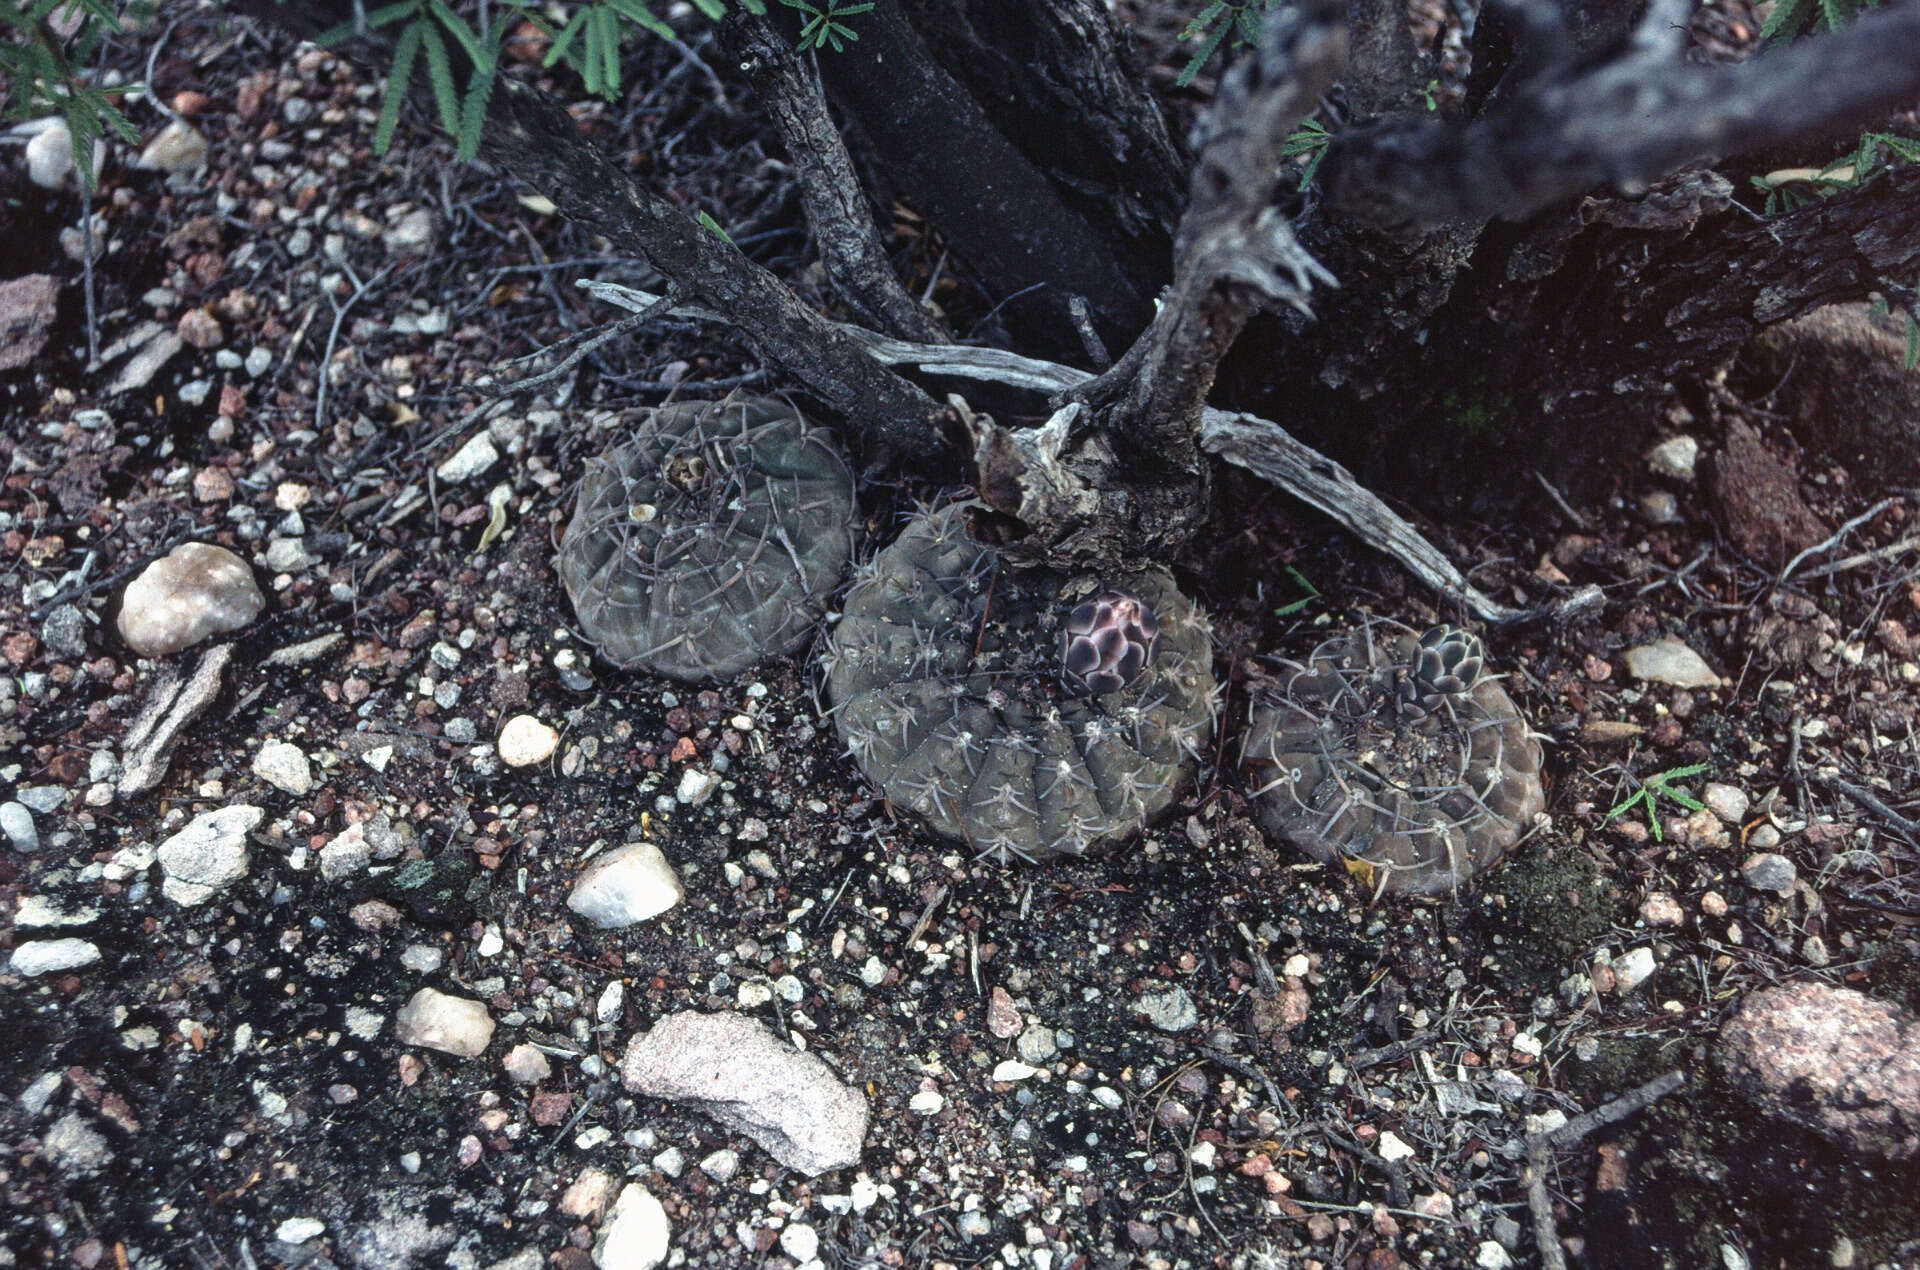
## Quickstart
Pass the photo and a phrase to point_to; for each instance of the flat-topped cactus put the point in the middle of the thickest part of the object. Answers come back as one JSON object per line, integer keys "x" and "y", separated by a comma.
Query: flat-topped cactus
{"x": 1396, "y": 751}
{"x": 949, "y": 691}
{"x": 708, "y": 538}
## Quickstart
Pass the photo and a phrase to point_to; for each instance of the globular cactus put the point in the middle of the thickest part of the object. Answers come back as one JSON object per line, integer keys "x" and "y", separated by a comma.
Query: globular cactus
{"x": 948, "y": 687}
{"x": 709, "y": 538}
{"x": 1395, "y": 751}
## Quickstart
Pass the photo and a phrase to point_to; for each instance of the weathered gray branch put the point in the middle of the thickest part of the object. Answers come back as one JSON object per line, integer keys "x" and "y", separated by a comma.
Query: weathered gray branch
{"x": 1624, "y": 121}
{"x": 1258, "y": 445}
{"x": 850, "y": 249}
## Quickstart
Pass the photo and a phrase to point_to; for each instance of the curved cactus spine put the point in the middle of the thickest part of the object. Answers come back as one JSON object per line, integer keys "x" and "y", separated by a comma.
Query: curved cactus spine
{"x": 1396, "y": 750}
{"x": 708, "y": 538}
{"x": 992, "y": 746}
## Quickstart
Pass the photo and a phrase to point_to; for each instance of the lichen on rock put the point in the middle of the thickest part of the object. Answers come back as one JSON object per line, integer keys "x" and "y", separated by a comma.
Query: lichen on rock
{"x": 709, "y": 538}
{"x": 946, "y": 676}
{"x": 1394, "y": 752}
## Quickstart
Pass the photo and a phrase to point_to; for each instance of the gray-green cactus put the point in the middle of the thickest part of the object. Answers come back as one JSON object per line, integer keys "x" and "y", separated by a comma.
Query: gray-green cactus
{"x": 708, "y": 538}
{"x": 945, "y": 673}
{"x": 1397, "y": 752}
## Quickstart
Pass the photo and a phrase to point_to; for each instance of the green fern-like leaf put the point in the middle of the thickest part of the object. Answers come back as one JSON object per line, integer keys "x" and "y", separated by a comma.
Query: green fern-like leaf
{"x": 386, "y": 15}
{"x": 446, "y": 97}
{"x": 609, "y": 54}
{"x": 636, "y": 12}
{"x": 1785, "y": 21}
{"x": 1209, "y": 45}
{"x": 563, "y": 42}
{"x": 405, "y": 50}
{"x": 473, "y": 112}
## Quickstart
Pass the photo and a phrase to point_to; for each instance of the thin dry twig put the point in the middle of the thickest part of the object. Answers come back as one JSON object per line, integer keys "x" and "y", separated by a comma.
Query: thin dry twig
{"x": 1540, "y": 1148}
{"x": 1838, "y": 536}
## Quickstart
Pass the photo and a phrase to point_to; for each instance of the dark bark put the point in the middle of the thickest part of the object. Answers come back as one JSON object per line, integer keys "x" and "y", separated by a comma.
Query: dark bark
{"x": 1553, "y": 344}
{"x": 1056, "y": 79}
{"x": 843, "y": 228}
{"x": 1140, "y": 421}
{"x": 997, "y": 211}
{"x": 1625, "y": 120}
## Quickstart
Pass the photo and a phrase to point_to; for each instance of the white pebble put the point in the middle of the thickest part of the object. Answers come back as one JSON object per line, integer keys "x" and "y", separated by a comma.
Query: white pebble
{"x": 192, "y": 592}
{"x": 284, "y": 766}
{"x": 297, "y": 1230}
{"x": 525, "y": 741}
{"x": 452, "y": 1025}
{"x": 625, "y": 886}
{"x": 636, "y": 1235}
{"x": 46, "y": 956}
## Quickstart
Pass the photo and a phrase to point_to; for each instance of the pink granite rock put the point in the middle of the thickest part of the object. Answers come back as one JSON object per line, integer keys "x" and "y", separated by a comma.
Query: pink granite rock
{"x": 1831, "y": 1060}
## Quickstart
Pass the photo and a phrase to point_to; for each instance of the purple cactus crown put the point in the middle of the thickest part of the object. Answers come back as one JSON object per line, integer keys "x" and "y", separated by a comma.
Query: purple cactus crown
{"x": 1107, "y": 642}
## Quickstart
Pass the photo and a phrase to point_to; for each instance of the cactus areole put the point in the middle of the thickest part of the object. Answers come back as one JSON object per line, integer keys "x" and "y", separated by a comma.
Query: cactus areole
{"x": 1397, "y": 755}
{"x": 708, "y": 538}
{"x": 949, "y": 689}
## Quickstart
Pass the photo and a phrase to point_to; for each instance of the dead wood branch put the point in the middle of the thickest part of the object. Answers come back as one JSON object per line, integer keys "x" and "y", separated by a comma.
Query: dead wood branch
{"x": 1540, "y": 1148}
{"x": 1577, "y": 125}
{"x": 843, "y": 228}
{"x": 1258, "y": 445}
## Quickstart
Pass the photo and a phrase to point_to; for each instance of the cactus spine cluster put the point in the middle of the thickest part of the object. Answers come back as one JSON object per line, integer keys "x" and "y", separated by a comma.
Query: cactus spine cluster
{"x": 1396, "y": 751}
{"x": 946, "y": 678}
{"x": 709, "y": 538}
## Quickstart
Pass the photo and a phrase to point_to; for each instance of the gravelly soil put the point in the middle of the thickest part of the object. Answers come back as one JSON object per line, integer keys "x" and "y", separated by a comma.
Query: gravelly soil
{"x": 1239, "y": 1059}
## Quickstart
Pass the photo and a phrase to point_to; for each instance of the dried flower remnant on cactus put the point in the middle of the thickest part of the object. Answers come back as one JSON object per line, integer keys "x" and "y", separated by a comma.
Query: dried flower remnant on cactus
{"x": 1396, "y": 752}
{"x": 948, "y": 690}
{"x": 709, "y": 538}
{"x": 1107, "y": 642}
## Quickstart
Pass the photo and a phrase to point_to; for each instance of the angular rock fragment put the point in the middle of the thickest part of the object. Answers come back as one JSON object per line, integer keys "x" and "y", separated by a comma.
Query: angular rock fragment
{"x": 626, "y": 886}
{"x": 207, "y": 855}
{"x": 741, "y": 1074}
{"x": 450, "y": 1024}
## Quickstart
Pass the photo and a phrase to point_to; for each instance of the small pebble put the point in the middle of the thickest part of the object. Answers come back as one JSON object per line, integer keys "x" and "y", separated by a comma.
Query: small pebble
{"x": 17, "y": 823}
{"x": 285, "y": 767}
{"x": 1767, "y": 871}
{"x": 452, "y": 1025}
{"x": 298, "y": 1230}
{"x": 194, "y": 591}
{"x": 1675, "y": 458}
{"x": 1632, "y": 970}
{"x": 625, "y": 886}
{"x": 526, "y": 1065}
{"x": 1660, "y": 909}
{"x": 525, "y": 741}
{"x": 721, "y": 1165}
{"x": 48, "y": 956}
{"x": 637, "y": 1233}
{"x": 1726, "y": 802}
{"x": 801, "y": 1242}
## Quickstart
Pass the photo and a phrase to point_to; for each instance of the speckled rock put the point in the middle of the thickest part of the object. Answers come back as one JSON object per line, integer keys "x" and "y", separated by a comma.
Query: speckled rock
{"x": 208, "y": 854}
{"x": 194, "y": 591}
{"x": 741, "y": 1074}
{"x": 1831, "y": 1060}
